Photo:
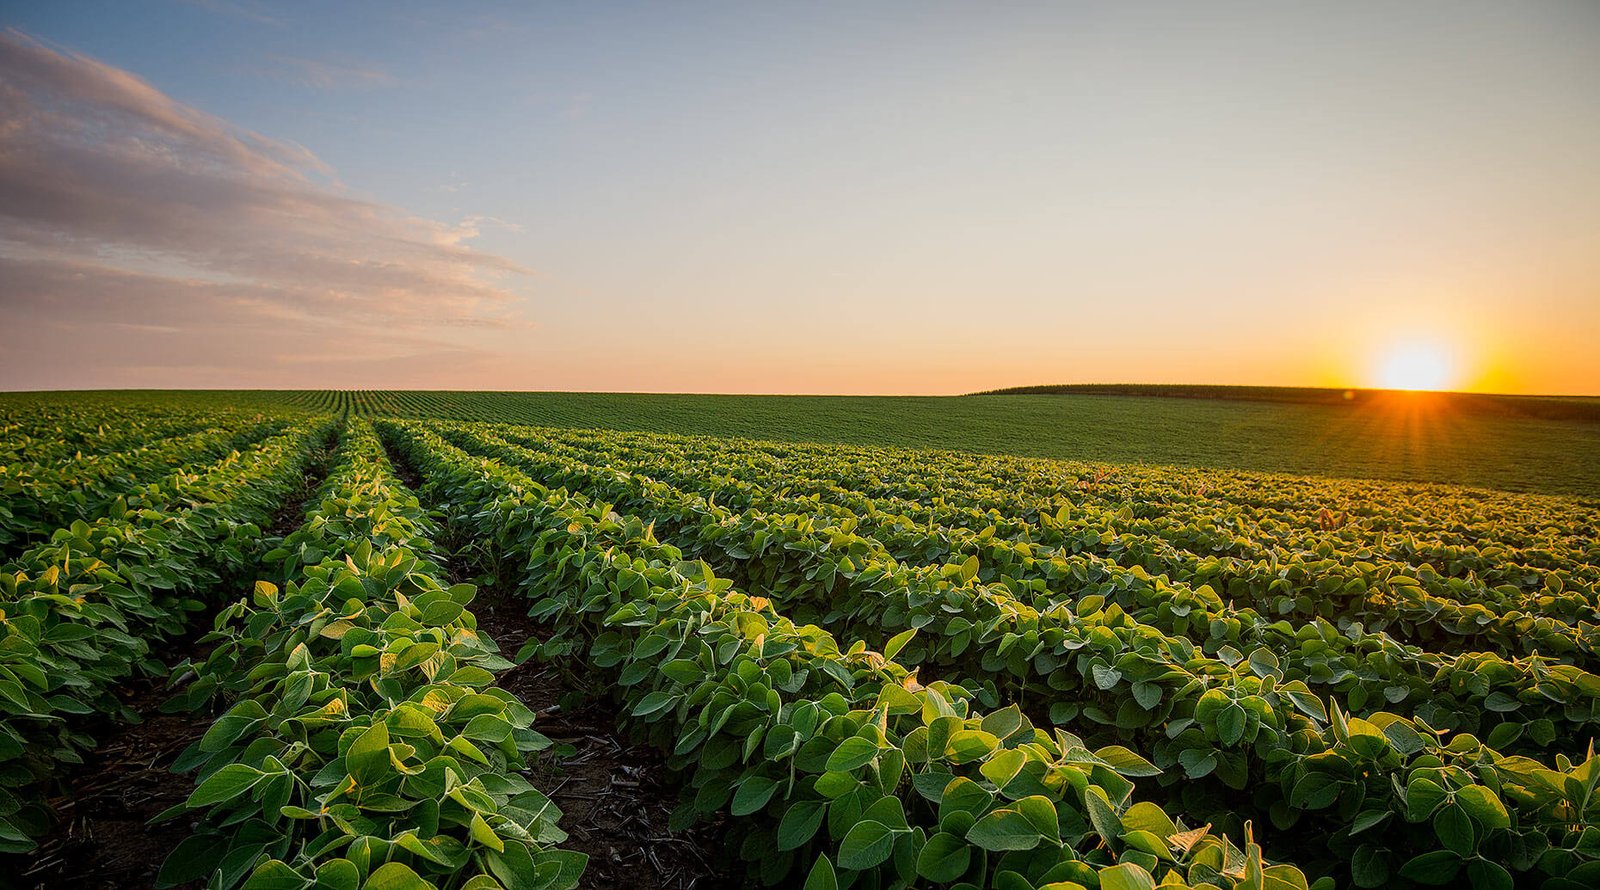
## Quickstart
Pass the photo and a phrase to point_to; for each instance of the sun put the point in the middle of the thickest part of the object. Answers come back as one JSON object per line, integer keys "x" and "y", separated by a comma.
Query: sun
{"x": 1417, "y": 365}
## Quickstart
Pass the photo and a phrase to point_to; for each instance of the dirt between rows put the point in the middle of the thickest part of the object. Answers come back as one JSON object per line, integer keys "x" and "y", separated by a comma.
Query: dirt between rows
{"x": 104, "y": 839}
{"x": 615, "y": 796}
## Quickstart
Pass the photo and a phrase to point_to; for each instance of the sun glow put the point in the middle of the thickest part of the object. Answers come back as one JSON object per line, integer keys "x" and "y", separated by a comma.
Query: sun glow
{"x": 1417, "y": 365}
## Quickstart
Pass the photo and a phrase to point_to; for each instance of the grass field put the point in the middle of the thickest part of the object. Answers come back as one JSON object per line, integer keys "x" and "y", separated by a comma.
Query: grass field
{"x": 1408, "y": 438}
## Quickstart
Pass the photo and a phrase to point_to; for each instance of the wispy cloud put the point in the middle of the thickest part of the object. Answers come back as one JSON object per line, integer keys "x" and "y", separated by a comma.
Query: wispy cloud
{"x": 250, "y": 12}
{"x": 325, "y": 75}
{"x": 123, "y": 210}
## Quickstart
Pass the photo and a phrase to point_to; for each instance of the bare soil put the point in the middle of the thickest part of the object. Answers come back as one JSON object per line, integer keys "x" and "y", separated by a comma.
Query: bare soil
{"x": 615, "y": 796}
{"x": 105, "y": 839}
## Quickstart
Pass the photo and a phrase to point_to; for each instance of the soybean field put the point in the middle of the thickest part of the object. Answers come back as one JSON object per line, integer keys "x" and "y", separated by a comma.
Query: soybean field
{"x": 1543, "y": 445}
{"x": 385, "y": 640}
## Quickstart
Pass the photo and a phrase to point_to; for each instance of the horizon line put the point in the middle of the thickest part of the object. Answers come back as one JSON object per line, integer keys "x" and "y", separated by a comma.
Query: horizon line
{"x": 997, "y": 391}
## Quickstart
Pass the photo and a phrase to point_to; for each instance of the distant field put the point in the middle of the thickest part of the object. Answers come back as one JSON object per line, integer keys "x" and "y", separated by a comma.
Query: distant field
{"x": 1417, "y": 438}
{"x": 1586, "y": 408}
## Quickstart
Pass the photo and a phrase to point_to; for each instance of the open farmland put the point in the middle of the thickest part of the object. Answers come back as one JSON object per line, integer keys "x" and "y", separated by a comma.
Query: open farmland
{"x": 352, "y": 640}
{"x": 1411, "y": 437}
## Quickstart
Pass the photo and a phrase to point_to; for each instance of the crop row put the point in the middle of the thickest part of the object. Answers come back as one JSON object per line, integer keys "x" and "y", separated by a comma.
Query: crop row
{"x": 835, "y": 757}
{"x": 364, "y": 742}
{"x": 83, "y": 611}
{"x": 1064, "y": 564}
{"x": 1446, "y": 514}
{"x": 40, "y": 499}
{"x": 47, "y": 434}
{"x": 1293, "y": 562}
{"x": 1237, "y": 716}
{"x": 1502, "y": 538}
{"x": 1286, "y": 579}
{"x": 805, "y": 560}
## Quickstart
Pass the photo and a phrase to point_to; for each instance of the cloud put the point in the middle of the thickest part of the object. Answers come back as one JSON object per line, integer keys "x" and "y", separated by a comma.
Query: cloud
{"x": 125, "y": 213}
{"x": 325, "y": 75}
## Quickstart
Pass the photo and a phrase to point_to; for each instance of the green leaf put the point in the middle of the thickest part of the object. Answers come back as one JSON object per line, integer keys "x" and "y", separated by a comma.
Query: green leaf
{"x": 1197, "y": 762}
{"x": 224, "y": 785}
{"x": 1454, "y": 828}
{"x": 852, "y": 753}
{"x": 1486, "y": 875}
{"x": 1504, "y": 734}
{"x": 898, "y": 642}
{"x": 484, "y": 834}
{"x": 395, "y": 876}
{"x": 684, "y": 670}
{"x": 800, "y": 823}
{"x": 367, "y": 761}
{"x": 1126, "y": 762}
{"x": 944, "y": 858}
{"x": 1500, "y": 702}
{"x": 1148, "y": 695}
{"x": 1404, "y": 738}
{"x": 1369, "y": 867}
{"x": 1004, "y": 723}
{"x": 967, "y": 745}
{"x": 867, "y": 844}
{"x": 1483, "y": 806}
{"x": 1230, "y": 724}
{"x": 655, "y": 701}
{"x": 1366, "y": 739}
{"x": 1423, "y": 796}
{"x": 1126, "y": 877}
{"x": 274, "y": 875}
{"x": 1004, "y": 829}
{"x": 195, "y": 857}
{"x": 1105, "y": 676}
{"x": 338, "y": 874}
{"x": 1041, "y": 814}
{"x": 1368, "y": 818}
{"x": 962, "y": 795}
{"x": 1282, "y": 877}
{"x": 833, "y": 784}
{"x": 752, "y": 795}
{"x": 1263, "y": 662}
{"x": 1147, "y": 816}
{"x": 822, "y": 876}
{"x": 1003, "y": 766}
{"x": 1101, "y": 813}
{"x": 1437, "y": 867}
{"x": 1314, "y": 791}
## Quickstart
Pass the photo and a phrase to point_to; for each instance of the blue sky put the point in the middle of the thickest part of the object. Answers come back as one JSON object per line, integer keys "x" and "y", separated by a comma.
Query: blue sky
{"x": 897, "y": 197}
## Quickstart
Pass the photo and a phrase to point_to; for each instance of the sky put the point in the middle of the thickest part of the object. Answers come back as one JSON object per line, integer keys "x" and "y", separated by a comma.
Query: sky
{"x": 891, "y": 197}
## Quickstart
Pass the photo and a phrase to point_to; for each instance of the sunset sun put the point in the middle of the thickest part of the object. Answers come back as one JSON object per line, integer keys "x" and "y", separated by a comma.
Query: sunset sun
{"x": 1417, "y": 366}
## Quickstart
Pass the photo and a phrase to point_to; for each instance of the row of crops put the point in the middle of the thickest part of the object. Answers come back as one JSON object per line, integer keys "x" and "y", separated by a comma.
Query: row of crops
{"x": 879, "y": 667}
{"x": 85, "y": 610}
{"x": 364, "y": 742}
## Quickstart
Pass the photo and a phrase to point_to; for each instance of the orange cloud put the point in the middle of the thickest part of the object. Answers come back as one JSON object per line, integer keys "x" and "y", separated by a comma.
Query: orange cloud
{"x": 122, "y": 208}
